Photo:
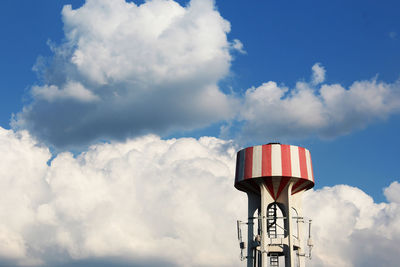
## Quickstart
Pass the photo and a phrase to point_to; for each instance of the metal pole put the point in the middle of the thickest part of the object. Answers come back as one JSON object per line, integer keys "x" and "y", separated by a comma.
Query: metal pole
{"x": 253, "y": 204}
{"x": 264, "y": 245}
{"x": 290, "y": 226}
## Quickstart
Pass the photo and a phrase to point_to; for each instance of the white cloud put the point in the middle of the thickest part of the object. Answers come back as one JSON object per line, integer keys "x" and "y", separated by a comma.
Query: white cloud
{"x": 318, "y": 74}
{"x": 125, "y": 70}
{"x": 392, "y": 192}
{"x": 22, "y": 169}
{"x": 351, "y": 230}
{"x": 72, "y": 90}
{"x": 329, "y": 110}
{"x": 172, "y": 201}
{"x": 238, "y": 45}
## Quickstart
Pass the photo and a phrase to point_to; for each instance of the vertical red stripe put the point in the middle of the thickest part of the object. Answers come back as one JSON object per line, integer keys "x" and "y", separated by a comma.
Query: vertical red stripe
{"x": 301, "y": 187}
{"x": 270, "y": 188}
{"x": 266, "y": 168}
{"x": 303, "y": 163}
{"x": 296, "y": 185}
{"x": 248, "y": 165}
{"x": 286, "y": 162}
{"x": 284, "y": 181}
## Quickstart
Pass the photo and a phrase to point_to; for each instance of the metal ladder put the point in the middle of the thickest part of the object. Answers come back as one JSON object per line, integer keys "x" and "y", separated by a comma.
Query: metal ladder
{"x": 272, "y": 233}
{"x": 274, "y": 260}
{"x": 271, "y": 222}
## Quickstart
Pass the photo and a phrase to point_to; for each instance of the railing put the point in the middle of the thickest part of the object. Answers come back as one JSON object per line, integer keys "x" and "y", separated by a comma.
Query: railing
{"x": 242, "y": 244}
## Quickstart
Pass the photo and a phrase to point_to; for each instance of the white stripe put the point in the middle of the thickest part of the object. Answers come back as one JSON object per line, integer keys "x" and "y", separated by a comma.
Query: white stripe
{"x": 257, "y": 156}
{"x": 309, "y": 170}
{"x": 294, "y": 158}
{"x": 276, "y": 160}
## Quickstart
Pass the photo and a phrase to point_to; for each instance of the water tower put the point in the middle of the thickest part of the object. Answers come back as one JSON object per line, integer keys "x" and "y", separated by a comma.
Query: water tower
{"x": 274, "y": 176}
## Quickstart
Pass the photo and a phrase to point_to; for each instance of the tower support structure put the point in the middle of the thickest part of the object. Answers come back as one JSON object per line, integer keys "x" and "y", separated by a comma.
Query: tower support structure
{"x": 274, "y": 177}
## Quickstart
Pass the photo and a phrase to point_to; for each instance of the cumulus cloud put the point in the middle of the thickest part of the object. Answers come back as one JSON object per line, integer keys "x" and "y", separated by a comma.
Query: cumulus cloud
{"x": 351, "y": 230}
{"x": 171, "y": 201}
{"x": 22, "y": 171}
{"x": 126, "y": 69}
{"x": 326, "y": 110}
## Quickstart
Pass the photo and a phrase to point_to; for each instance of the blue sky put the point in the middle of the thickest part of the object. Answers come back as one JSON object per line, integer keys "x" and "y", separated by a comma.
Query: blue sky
{"x": 353, "y": 41}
